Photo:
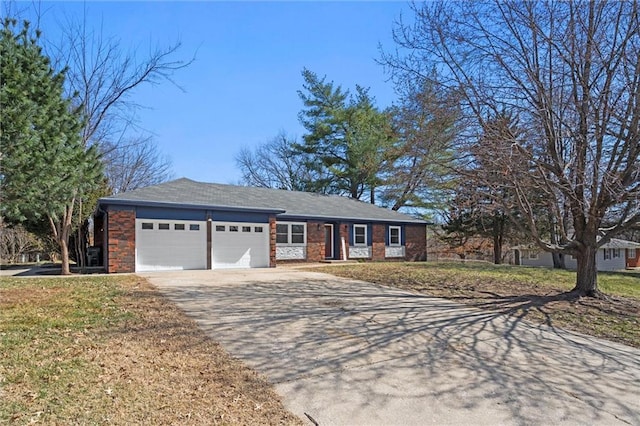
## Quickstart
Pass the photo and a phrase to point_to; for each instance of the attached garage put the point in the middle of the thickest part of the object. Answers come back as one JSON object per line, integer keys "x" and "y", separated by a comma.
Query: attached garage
{"x": 240, "y": 245}
{"x": 164, "y": 245}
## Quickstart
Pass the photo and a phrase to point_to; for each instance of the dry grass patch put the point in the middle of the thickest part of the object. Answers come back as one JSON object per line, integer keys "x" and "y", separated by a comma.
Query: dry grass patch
{"x": 534, "y": 294}
{"x": 92, "y": 350}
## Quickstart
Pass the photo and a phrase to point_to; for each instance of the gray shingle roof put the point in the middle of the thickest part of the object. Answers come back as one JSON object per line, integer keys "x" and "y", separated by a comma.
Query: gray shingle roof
{"x": 186, "y": 192}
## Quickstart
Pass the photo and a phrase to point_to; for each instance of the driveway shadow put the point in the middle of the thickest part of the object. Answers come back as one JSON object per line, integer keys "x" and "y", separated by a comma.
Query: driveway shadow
{"x": 345, "y": 351}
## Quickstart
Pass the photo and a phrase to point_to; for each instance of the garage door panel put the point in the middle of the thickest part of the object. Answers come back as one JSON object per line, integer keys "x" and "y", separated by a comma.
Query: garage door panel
{"x": 171, "y": 249}
{"x": 243, "y": 247}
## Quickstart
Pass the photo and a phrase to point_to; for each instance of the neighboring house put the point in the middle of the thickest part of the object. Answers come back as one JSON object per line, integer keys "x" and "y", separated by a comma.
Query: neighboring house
{"x": 613, "y": 256}
{"x": 185, "y": 224}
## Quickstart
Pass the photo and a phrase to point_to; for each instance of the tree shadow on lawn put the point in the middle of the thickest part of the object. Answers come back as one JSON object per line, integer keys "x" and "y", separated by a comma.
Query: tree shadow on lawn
{"x": 367, "y": 348}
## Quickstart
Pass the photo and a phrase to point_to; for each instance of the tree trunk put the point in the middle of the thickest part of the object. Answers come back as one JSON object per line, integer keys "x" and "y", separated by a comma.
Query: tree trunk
{"x": 558, "y": 261}
{"x": 587, "y": 276}
{"x": 497, "y": 249}
{"x": 64, "y": 252}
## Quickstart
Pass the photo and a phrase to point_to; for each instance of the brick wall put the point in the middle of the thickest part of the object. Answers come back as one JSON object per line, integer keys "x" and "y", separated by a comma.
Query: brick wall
{"x": 272, "y": 241}
{"x": 378, "y": 243}
{"x": 415, "y": 242}
{"x": 315, "y": 241}
{"x": 343, "y": 232}
{"x": 121, "y": 241}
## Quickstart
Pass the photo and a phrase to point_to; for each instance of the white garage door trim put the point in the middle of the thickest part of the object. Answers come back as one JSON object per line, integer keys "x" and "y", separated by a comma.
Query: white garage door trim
{"x": 239, "y": 245}
{"x": 165, "y": 245}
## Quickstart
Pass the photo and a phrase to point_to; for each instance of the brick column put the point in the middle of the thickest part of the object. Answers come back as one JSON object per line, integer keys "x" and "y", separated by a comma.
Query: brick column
{"x": 378, "y": 243}
{"x": 415, "y": 242}
{"x": 272, "y": 241}
{"x": 343, "y": 232}
{"x": 121, "y": 241}
{"x": 315, "y": 241}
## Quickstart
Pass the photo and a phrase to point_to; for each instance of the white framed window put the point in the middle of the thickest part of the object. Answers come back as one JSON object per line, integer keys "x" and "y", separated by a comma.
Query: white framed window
{"x": 631, "y": 253}
{"x": 147, "y": 225}
{"x": 359, "y": 235}
{"x": 394, "y": 236}
{"x": 291, "y": 233}
{"x": 533, "y": 255}
{"x": 607, "y": 254}
{"x": 616, "y": 253}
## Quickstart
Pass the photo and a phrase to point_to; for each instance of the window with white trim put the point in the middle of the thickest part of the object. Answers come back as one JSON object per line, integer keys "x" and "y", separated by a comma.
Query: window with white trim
{"x": 533, "y": 255}
{"x": 607, "y": 254}
{"x": 394, "y": 236}
{"x": 631, "y": 253}
{"x": 359, "y": 235}
{"x": 616, "y": 253}
{"x": 291, "y": 233}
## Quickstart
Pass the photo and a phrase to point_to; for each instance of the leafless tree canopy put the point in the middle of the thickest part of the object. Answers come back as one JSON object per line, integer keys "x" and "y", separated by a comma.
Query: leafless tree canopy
{"x": 133, "y": 164}
{"x": 276, "y": 164}
{"x": 568, "y": 72}
{"x": 103, "y": 75}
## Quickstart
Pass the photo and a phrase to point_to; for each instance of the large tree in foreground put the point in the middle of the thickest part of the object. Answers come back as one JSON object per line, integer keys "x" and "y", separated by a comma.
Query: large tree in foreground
{"x": 569, "y": 72}
{"x": 45, "y": 165}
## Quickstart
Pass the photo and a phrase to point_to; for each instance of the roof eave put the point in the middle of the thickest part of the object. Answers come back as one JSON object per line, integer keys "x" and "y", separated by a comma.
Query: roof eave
{"x": 164, "y": 204}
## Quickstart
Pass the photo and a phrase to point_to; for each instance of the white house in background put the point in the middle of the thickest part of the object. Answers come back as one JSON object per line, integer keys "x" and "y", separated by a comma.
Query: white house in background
{"x": 615, "y": 255}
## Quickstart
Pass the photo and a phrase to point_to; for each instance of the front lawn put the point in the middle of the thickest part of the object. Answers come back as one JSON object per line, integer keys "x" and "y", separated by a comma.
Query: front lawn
{"x": 99, "y": 350}
{"x": 534, "y": 294}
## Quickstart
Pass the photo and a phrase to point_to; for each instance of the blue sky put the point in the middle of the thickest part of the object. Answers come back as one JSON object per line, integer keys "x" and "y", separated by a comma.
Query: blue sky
{"x": 242, "y": 88}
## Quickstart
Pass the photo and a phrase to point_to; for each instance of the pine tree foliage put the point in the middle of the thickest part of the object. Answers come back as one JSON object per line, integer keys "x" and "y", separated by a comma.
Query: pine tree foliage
{"x": 348, "y": 137}
{"x": 45, "y": 166}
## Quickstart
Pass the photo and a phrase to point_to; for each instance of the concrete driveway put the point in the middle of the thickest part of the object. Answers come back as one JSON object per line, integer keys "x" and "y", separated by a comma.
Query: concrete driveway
{"x": 347, "y": 352}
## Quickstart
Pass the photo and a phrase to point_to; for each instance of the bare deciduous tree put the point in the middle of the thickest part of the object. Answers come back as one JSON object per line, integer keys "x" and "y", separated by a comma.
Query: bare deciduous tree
{"x": 277, "y": 164}
{"x": 425, "y": 122}
{"x": 102, "y": 76}
{"x": 569, "y": 71}
{"x": 134, "y": 164}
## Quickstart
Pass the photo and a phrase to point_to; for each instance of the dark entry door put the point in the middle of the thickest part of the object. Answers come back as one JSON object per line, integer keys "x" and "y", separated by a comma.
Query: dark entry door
{"x": 328, "y": 241}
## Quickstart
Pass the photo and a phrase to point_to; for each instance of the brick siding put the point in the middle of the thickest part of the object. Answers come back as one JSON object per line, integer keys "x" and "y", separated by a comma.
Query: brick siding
{"x": 378, "y": 243}
{"x": 315, "y": 241}
{"x": 343, "y": 230}
{"x": 415, "y": 243}
{"x": 272, "y": 241}
{"x": 121, "y": 241}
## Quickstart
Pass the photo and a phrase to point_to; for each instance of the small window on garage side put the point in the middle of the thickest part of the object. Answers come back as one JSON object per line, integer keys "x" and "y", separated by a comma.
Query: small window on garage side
{"x": 360, "y": 235}
{"x": 257, "y": 229}
{"x": 221, "y": 228}
{"x": 147, "y": 225}
{"x": 163, "y": 226}
{"x": 282, "y": 233}
{"x": 246, "y": 229}
{"x": 178, "y": 226}
{"x": 394, "y": 236}
{"x": 233, "y": 228}
{"x": 194, "y": 227}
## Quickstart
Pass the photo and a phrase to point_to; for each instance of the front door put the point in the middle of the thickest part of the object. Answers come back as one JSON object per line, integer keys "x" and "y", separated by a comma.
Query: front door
{"x": 328, "y": 241}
